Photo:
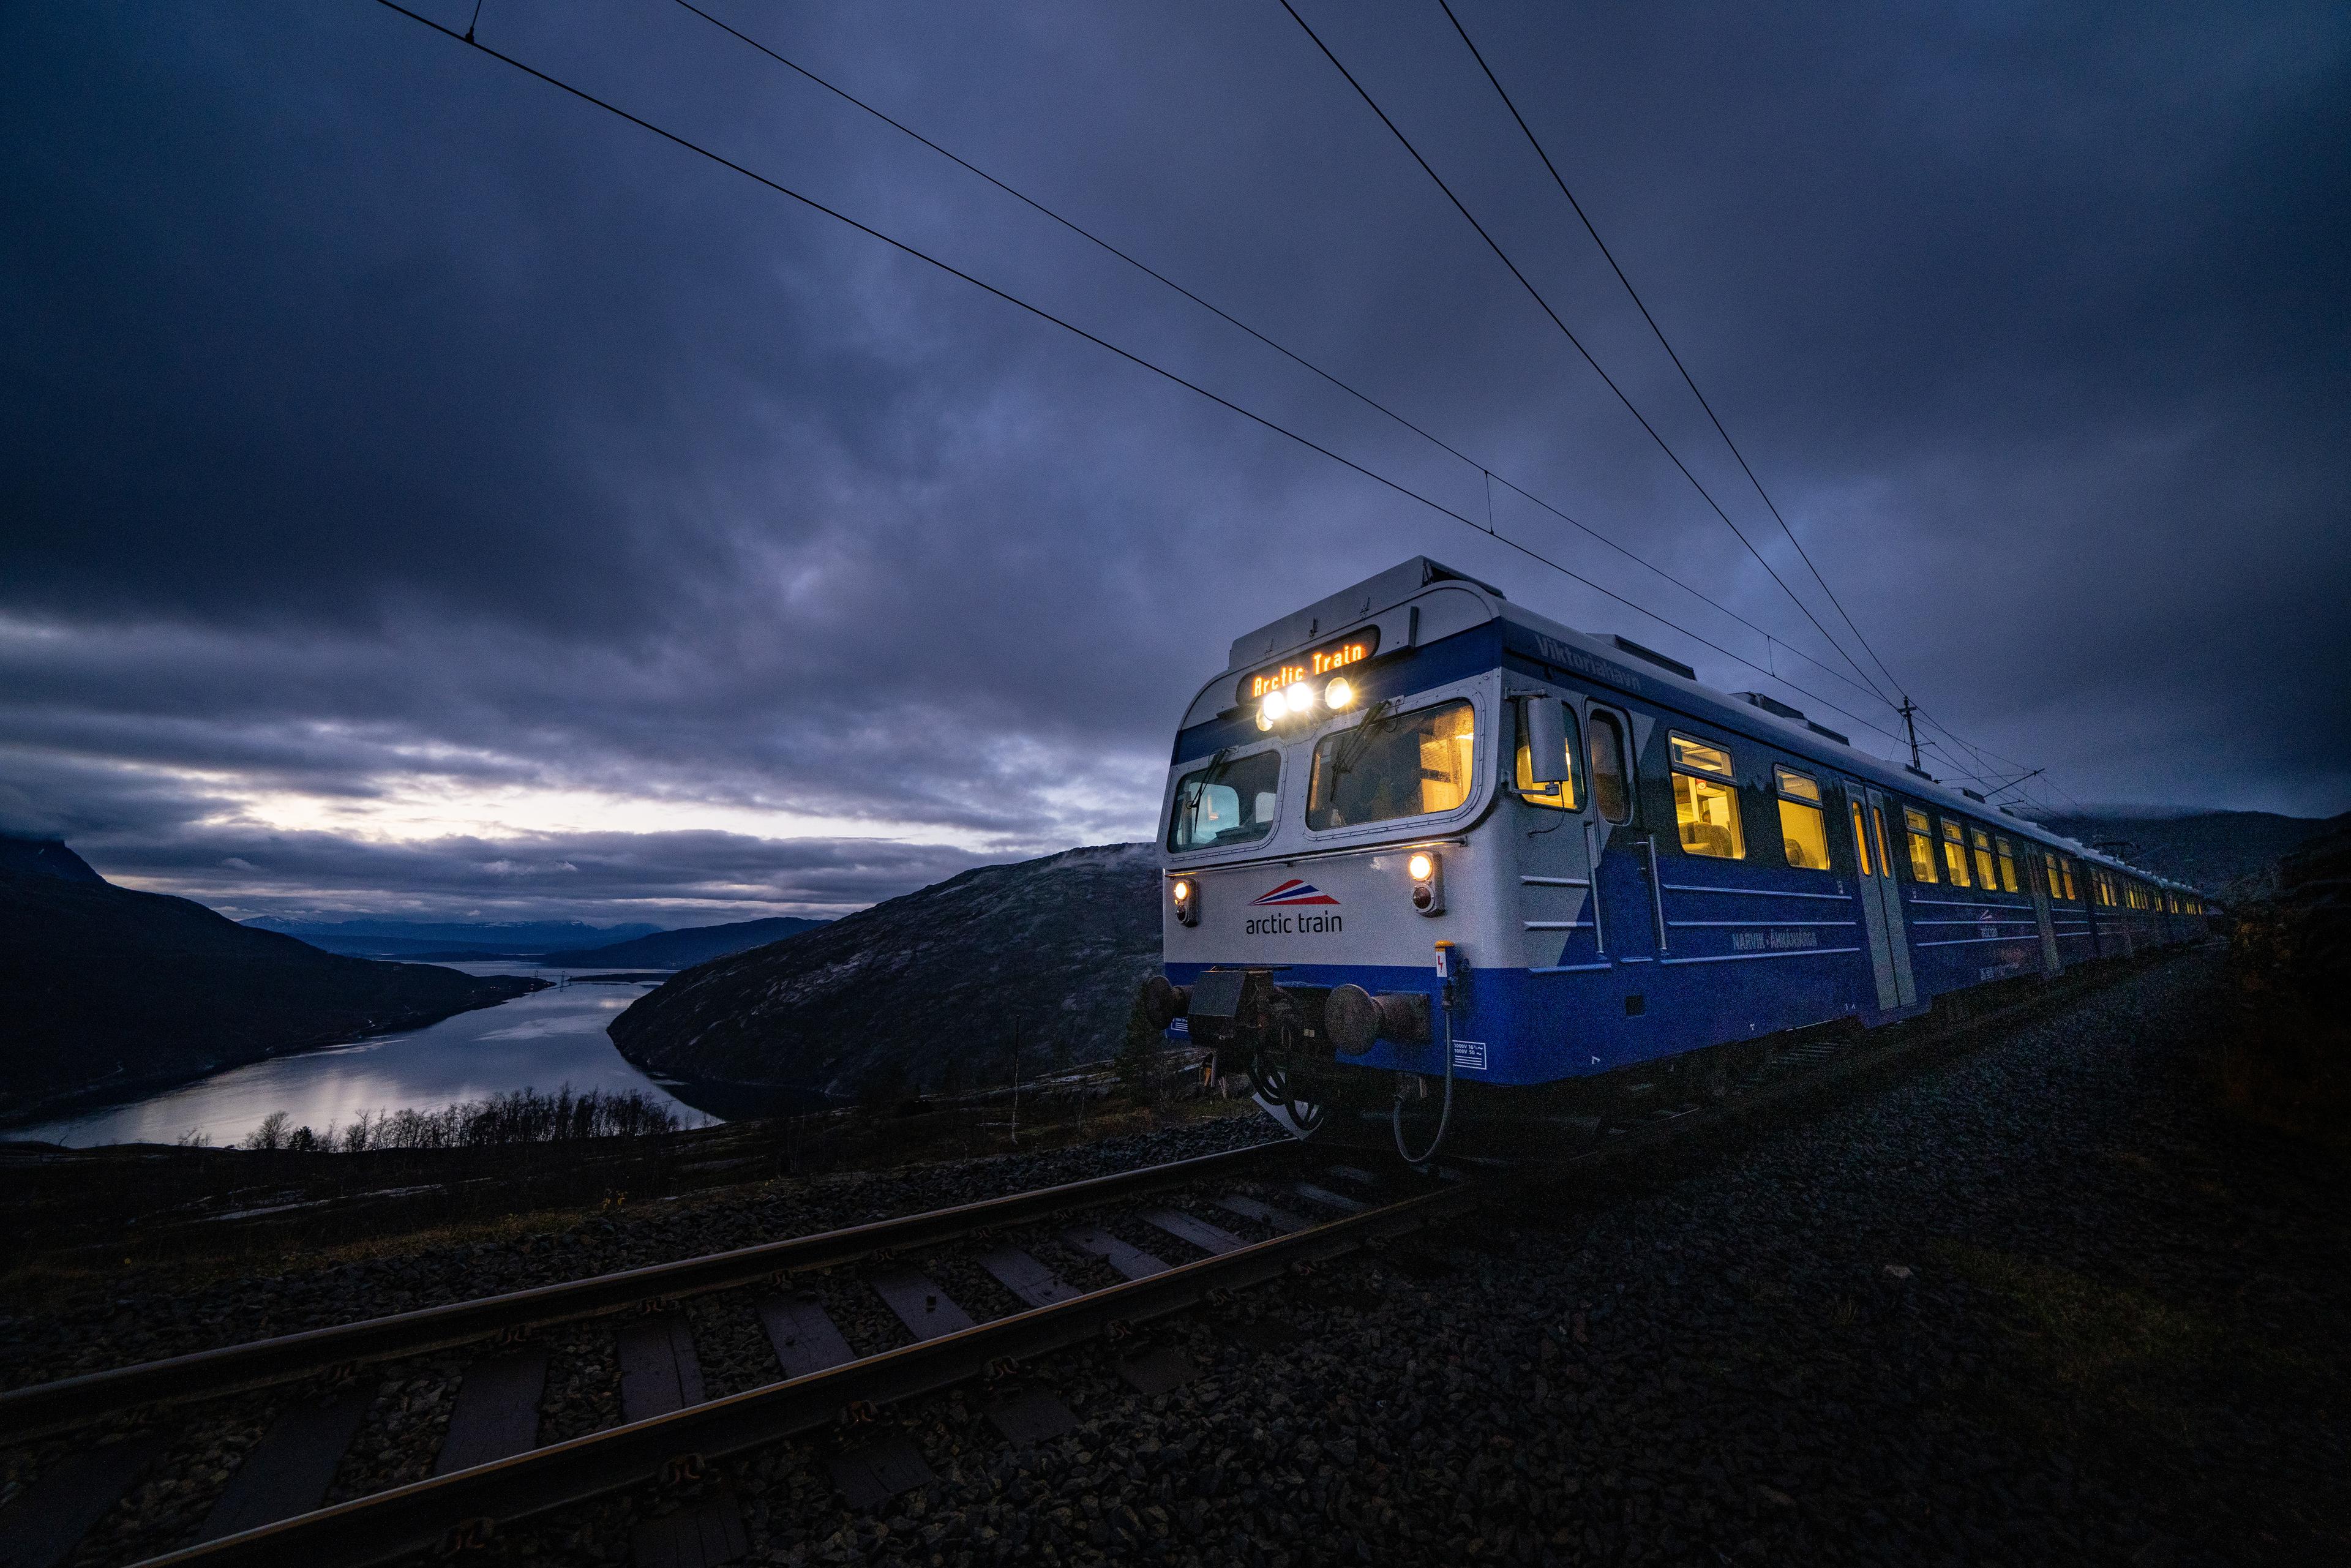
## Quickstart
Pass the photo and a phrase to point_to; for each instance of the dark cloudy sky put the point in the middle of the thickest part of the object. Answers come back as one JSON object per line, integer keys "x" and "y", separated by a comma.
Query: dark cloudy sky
{"x": 423, "y": 493}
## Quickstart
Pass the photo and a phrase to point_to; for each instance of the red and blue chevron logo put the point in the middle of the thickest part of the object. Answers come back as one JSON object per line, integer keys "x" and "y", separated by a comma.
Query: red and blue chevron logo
{"x": 1294, "y": 892}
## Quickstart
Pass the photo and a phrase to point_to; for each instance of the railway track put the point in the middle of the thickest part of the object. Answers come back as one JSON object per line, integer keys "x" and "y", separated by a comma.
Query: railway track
{"x": 1228, "y": 1222}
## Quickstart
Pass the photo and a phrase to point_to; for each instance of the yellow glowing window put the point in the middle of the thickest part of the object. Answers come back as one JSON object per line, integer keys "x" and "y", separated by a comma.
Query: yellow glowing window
{"x": 1706, "y": 813}
{"x": 1700, "y": 757}
{"x": 1860, "y": 842}
{"x": 2067, "y": 867}
{"x": 2007, "y": 865}
{"x": 1803, "y": 828}
{"x": 1563, "y": 794}
{"x": 1954, "y": 854}
{"x": 1922, "y": 845}
{"x": 2049, "y": 867}
{"x": 1409, "y": 766}
{"x": 1884, "y": 860}
{"x": 1984, "y": 872}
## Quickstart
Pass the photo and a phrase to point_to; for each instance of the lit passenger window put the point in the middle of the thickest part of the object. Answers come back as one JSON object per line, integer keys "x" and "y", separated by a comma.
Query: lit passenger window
{"x": 1884, "y": 860}
{"x": 1984, "y": 872}
{"x": 2007, "y": 865}
{"x": 1922, "y": 845}
{"x": 1612, "y": 775}
{"x": 1562, "y": 794}
{"x": 1860, "y": 841}
{"x": 1954, "y": 854}
{"x": 1804, "y": 828}
{"x": 2067, "y": 867}
{"x": 1700, "y": 757}
{"x": 1706, "y": 813}
{"x": 2049, "y": 867}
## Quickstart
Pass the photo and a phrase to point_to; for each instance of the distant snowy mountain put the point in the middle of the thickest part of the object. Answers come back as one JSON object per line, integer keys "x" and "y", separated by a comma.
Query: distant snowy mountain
{"x": 684, "y": 948}
{"x": 1054, "y": 948}
{"x": 2203, "y": 849}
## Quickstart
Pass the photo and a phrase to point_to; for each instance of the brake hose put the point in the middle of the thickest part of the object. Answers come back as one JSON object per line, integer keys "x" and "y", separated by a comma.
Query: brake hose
{"x": 1444, "y": 1116}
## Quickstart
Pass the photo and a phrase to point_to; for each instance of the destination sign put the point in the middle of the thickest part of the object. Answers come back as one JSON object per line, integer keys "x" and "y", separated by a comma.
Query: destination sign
{"x": 1311, "y": 665}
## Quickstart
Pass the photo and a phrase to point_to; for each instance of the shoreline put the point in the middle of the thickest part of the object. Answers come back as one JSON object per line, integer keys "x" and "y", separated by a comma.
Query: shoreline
{"x": 112, "y": 1093}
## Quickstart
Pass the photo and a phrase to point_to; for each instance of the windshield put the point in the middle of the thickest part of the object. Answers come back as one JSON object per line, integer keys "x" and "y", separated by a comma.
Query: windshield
{"x": 1227, "y": 802}
{"x": 1410, "y": 766}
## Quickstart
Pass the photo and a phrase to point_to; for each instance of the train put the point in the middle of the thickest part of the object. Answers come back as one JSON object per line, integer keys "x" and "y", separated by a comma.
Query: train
{"x": 1439, "y": 873}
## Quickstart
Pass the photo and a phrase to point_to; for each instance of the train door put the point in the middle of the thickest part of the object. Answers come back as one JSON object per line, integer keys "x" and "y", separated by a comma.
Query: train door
{"x": 2051, "y": 964}
{"x": 1624, "y": 870}
{"x": 1881, "y": 897}
{"x": 1562, "y": 932}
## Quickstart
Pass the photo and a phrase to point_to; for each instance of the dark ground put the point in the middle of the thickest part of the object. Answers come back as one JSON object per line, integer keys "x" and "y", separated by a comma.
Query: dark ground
{"x": 2048, "y": 1303}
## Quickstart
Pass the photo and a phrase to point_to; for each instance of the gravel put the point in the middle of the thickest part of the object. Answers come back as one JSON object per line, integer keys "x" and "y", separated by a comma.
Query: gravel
{"x": 149, "y": 1316}
{"x": 2040, "y": 1302}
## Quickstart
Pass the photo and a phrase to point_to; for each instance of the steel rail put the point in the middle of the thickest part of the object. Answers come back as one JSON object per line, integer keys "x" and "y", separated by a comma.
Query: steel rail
{"x": 397, "y": 1523}
{"x": 421, "y": 1515}
{"x": 48, "y": 1408}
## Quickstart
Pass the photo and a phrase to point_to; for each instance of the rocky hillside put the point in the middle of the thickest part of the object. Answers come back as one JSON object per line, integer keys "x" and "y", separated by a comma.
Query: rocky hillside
{"x": 108, "y": 991}
{"x": 1055, "y": 946}
{"x": 2208, "y": 850}
{"x": 684, "y": 949}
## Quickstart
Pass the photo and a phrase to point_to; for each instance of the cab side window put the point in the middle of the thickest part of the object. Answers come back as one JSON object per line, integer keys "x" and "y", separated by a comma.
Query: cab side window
{"x": 1922, "y": 845}
{"x": 1954, "y": 854}
{"x": 1706, "y": 800}
{"x": 1612, "y": 775}
{"x": 1803, "y": 828}
{"x": 1561, "y": 795}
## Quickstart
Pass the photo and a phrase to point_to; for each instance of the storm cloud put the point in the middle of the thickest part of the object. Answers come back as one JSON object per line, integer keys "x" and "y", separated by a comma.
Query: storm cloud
{"x": 426, "y": 493}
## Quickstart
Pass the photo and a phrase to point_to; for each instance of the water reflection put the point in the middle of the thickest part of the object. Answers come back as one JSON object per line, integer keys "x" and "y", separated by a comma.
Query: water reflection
{"x": 540, "y": 1041}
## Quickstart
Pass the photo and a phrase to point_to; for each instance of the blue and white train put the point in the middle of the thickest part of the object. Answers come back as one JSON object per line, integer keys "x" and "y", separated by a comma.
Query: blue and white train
{"x": 1439, "y": 868}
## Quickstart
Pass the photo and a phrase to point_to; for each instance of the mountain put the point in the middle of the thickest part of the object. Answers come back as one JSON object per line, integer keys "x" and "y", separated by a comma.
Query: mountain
{"x": 1053, "y": 947}
{"x": 45, "y": 858}
{"x": 2203, "y": 849}
{"x": 108, "y": 991}
{"x": 407, "y": 938}
{"x": 684, "y": 949}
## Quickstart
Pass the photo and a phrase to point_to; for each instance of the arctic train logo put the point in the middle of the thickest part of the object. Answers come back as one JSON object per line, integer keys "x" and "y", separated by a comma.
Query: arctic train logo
{"x": 1294, "y": 892}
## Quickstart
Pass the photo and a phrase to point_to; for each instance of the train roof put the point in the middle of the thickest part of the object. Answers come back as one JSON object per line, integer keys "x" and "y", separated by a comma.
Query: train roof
{"x": 1404, "y": 591}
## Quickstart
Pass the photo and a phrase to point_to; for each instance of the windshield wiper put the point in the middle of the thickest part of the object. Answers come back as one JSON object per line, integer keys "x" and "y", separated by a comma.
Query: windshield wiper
{"x": 1376, "y": 721}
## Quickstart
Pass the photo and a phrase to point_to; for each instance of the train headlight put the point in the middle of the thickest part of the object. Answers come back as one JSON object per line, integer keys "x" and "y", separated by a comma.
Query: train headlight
{"x": 1301, "y": 697}
{"x": 1275, "y": 705}
{"x": 1428, "y": 873}
{"x": 1339, "y": 694}
{"x": 1187, "y": 900}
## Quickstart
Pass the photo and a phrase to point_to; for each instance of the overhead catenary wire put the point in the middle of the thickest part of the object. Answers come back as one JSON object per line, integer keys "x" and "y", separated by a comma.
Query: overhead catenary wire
{"x": 1296, "y": 358}
{"x": 1041, "y": 313}
{"x": 1536, "y": 296}
{"x": 1688, "y": 380}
